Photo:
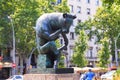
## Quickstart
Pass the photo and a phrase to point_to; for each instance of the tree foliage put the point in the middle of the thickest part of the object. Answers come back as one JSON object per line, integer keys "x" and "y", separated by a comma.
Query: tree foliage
{"x": 62, "y": 7}
{"x": 6, "y": 8}
{"x": 108, "y": 3}
{"x": 104, "y": 53}
{"x": 25, "y": 17}
{"x": 80, "y": 49}
{"x": 106, "y": 23}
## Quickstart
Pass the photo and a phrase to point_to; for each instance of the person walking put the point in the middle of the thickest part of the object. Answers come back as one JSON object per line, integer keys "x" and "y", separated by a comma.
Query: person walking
{"x": 90, "y": 75}
{"x": 83, "y": 76}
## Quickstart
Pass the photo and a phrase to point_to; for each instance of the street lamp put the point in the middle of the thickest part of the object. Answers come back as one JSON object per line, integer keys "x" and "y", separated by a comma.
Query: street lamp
{"x": 116, "y": 54}
{"x": 13, "y": 53}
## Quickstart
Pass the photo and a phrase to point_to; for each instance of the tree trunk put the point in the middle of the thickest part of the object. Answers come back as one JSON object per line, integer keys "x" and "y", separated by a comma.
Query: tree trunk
{"x": 21, "y": 65}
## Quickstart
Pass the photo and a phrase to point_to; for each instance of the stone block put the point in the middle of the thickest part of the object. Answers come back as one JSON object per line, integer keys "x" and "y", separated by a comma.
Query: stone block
{"x": 42, "y": 71}
{"x": 64, "y": 70}
{"x": 71, "y": 76}
{"x": 41, "y": 61}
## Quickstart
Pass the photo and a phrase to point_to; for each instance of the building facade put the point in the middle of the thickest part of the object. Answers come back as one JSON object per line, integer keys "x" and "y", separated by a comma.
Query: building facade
{"x": 83, "y": 9}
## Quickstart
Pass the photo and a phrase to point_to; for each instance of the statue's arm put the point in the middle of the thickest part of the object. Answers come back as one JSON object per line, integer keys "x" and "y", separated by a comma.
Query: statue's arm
{"x": 46, "y": 35}
{"x": 64, "y": 47}
{"x": 65, "y": 39}
{"x": 55, "y": 35}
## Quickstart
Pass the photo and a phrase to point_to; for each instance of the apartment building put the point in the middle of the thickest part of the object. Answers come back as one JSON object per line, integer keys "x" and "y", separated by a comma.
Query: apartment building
{"x": 83, "y": 9}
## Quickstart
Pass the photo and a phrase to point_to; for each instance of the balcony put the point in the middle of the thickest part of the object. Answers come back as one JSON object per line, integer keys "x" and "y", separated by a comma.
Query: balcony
{"x": 92, "y": 58}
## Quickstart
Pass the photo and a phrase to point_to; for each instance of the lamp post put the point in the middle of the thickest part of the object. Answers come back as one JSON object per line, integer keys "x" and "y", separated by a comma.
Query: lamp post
{"x": 116, "y": 54}
{"x": 13, "y": 36}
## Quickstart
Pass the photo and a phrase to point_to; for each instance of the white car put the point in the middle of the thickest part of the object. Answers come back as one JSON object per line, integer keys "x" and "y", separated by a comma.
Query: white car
{"x": 108, "y": 76}
{"x": 16, "y": 77}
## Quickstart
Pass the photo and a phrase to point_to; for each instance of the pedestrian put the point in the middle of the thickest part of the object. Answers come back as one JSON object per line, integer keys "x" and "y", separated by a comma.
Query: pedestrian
{"x": 90, "y": 75}
{"x": 83, "y": 76}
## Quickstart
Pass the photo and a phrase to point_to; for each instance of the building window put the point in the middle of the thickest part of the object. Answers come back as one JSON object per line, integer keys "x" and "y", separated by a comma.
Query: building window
{"x": 71, "y": 8}
{"x": 97, "y": 48}
{"x": 78, "y": 9}
{"x": 59, "y": 1}
{"x": 97, "y": 2}
{"x": 79, "y": 21}
{"x": 91, "y": 38}
{"x": 61, "y": 41}
{"x": 91, "y": 52}
{"x": 88, "y": 11}
{"x": 88, "y": 1}
{"x": 72, "y": 35}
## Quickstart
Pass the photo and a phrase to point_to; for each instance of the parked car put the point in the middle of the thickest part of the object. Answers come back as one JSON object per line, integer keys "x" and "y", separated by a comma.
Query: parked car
{"x": 108, "y": 75}
{"x": 16, "y": 77}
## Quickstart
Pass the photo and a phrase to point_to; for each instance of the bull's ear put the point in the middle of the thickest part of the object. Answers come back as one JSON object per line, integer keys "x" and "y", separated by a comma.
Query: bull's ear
{"x": 64, "y": 15}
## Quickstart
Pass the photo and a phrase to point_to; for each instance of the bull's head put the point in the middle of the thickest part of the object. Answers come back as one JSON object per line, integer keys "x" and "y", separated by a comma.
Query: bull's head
{"x": 68, "y": 21}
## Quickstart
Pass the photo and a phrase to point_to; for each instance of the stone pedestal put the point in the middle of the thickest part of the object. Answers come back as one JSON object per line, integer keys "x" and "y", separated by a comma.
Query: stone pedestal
{"x": 42, "y": 71}
{"x": 51, "y": 76}
{"x": 41, "y": 61}
{"x": 51, "y": 71}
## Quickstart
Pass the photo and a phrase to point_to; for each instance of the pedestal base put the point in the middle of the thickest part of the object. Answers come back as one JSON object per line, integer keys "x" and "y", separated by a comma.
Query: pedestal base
{"x": 51, "y": 71}
{"x": 64, "y": 70}
{"x": 42, "y": 71}
{"x": 51, "y": 76}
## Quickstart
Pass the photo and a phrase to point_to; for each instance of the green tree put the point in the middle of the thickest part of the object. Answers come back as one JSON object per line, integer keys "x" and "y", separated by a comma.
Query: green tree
{"x": 25, "y": 17}
{"x": 104, "y": 53}
{"x": 61, "y": 62}
{"x": 6, "y": 8}
{"x": 108, "y": 3}
{"x": 62, "y": 7}
{"x": 106, "y": 23}
{"x": 78, "y": 57}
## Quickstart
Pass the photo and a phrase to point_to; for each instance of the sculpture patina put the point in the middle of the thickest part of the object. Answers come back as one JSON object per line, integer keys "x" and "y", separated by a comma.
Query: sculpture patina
{"x": 48, "y": 28}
